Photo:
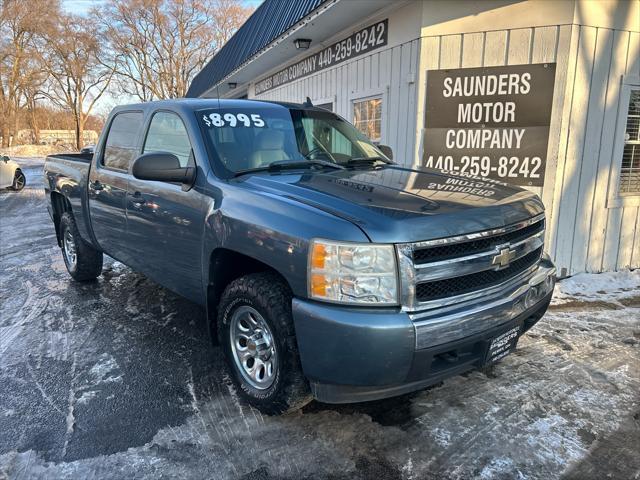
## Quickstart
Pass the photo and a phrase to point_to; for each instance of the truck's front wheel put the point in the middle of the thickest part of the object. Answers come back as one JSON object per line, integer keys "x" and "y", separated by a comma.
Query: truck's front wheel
{"x": 83, "y": 262}
{"x": 255, "y": 329}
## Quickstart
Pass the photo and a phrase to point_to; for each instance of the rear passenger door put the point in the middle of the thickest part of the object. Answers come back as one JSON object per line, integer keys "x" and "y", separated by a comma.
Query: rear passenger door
{"x": 108, "y": 181}
{"x": 165, "y": 223}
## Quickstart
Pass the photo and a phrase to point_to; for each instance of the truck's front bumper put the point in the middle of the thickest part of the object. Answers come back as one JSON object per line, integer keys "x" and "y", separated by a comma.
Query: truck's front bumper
{"x": 362, "y": 354}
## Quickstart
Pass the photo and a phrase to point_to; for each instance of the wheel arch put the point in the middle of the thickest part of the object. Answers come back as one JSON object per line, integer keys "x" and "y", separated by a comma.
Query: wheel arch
{"x": 225, "y": 266}
{"x": 59, "y": 205}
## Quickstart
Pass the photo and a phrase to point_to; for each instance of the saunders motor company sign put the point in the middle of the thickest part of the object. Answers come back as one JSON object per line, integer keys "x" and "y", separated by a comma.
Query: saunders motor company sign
{"x": 361, "y": 42}
{"x": 490, "y": 122}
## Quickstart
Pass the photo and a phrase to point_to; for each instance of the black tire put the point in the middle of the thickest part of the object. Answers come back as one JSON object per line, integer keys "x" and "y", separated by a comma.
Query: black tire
{"x": 19, "y": 180}
{"x": 269, "y": 295}
{"x": 88, "y": 264}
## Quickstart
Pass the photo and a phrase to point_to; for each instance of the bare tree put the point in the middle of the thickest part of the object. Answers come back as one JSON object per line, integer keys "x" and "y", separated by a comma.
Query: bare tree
{"x": 22, "y": 22}
{"x": 34, "y": 77}
{"x": 161, "y": 45}
{"x": 76, "y": 64}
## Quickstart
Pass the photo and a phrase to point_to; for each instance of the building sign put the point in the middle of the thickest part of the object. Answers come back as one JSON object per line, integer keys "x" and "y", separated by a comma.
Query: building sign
{"x": 361, "y": 42}
{"x": 490, "y": 122}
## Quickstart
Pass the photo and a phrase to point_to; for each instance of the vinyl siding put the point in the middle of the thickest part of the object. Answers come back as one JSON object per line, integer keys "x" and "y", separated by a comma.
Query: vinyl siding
{"x": 585, "y": 232}
{"x": 385, "y": 73}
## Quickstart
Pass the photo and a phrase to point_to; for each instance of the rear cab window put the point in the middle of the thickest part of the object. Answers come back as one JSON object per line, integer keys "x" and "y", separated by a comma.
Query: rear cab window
{"x": 121, "y": 146}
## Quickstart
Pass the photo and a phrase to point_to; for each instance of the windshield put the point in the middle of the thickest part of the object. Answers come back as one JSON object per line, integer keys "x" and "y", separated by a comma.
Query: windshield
{"x": 244, "y": 139}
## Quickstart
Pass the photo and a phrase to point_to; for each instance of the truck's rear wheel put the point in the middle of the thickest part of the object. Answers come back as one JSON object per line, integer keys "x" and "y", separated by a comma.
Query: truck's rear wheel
{"x": 255, "y": 330}
{"x": 83, "y": 262}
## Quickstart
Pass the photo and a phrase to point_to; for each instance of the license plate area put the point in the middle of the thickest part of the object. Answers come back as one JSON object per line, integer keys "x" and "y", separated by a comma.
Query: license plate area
{"x": 502, "y": 345}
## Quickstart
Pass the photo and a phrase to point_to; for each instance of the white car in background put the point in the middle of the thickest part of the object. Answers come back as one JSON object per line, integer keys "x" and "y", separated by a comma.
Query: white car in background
{"x": 10, "y": 174}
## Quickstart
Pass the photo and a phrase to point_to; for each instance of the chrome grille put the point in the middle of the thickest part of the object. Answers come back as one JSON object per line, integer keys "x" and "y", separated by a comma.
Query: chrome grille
{"x": 444, "y": 271}
{"x": 445, "y": 252}
{"x": 468, "y": 283}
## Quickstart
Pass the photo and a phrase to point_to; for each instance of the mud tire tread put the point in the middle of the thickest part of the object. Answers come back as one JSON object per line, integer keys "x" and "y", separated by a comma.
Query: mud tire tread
{"x": 271, "y": 296}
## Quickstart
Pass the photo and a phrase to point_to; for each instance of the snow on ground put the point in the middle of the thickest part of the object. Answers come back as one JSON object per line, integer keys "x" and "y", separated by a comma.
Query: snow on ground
{"x": 33, "y": 151}
{"x": 608, "y": 286}
{"x": 115, "y": 379}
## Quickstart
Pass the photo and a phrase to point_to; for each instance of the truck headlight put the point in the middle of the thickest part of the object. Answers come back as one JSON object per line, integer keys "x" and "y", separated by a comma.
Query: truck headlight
{"x": 357, "y": 273}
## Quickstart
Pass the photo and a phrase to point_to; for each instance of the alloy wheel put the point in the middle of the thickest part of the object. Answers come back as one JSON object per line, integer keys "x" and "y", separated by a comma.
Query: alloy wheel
{"x": 253, "y": 347}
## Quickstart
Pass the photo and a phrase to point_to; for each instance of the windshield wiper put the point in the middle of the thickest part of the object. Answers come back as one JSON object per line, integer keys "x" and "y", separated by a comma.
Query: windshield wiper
{"x": 366, "y": 161}
{"x": 282, "y": 164}
{"x": 289, "y": 164}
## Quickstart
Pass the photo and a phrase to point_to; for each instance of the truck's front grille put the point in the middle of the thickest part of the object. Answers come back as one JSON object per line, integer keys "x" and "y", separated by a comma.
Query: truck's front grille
{"x": 445, "y": 252}
{"x": 457, "y": 269}
{"x": 451, "y": 287}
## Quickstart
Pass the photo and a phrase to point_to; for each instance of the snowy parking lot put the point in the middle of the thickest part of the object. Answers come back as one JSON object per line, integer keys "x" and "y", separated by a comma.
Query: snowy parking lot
{"x": 116, "y": 379}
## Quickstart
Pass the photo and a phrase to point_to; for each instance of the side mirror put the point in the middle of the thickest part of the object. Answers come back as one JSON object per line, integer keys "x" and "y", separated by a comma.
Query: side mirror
{"x": 162, "y": 167}
{"x": 386, "y": 149}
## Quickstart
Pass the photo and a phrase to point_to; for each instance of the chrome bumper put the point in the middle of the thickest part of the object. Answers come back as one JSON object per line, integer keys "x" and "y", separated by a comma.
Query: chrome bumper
{"x": 446, "y": 324}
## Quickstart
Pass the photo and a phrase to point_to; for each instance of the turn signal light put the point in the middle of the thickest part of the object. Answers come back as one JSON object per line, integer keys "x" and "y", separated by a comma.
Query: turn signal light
{"x": 319, "y": 255}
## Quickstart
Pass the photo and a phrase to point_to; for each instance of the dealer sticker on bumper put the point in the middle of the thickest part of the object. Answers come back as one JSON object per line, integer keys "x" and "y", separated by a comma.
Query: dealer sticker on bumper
{"x": 502, "y": 345}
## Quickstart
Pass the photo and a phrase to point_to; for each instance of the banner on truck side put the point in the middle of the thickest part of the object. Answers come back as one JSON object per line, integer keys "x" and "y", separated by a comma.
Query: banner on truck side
{"x": 490, "y": 122}
{"x": 358, "y": 43}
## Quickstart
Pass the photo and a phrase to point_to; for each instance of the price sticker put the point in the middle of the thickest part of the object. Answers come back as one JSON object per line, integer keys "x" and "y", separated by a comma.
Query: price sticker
{"x": 233, "y": 120}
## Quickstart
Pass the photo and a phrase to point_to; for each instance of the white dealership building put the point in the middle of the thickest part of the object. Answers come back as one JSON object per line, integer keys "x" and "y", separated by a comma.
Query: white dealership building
{"x": 543, "y": 94}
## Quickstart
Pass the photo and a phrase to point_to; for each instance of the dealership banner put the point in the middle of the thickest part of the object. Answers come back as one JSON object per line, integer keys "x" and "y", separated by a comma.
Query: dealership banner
{"x": 490, "y": 122}
{"x": 359, "y": 43}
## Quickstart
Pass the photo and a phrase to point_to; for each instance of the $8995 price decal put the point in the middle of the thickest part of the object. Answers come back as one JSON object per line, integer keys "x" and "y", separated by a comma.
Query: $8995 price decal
{"x": 233, "y": 120}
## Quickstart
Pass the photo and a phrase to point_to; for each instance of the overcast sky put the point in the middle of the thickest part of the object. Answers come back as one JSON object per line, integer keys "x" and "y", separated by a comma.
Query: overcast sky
{"x": 83, "y": 6}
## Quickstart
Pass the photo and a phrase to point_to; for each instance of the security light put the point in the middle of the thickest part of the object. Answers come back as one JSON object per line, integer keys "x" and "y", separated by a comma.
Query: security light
{"x": 302, "y": 43}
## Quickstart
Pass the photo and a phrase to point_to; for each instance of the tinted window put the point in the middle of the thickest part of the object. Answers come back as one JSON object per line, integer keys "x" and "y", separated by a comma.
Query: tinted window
{"x": 255, "y": 137}
{"x": 168, "y": 134}
{"x": 121, "y": 145}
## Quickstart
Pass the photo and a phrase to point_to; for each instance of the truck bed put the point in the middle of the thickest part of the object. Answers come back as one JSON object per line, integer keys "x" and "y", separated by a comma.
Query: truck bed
{"x": 66, "y": 175}
{"x": 74, "y": 157}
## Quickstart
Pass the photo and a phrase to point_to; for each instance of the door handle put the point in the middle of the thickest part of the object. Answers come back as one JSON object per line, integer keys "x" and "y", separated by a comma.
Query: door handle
{"x": 97, "y": 185}
{"x": 136, "y": 198}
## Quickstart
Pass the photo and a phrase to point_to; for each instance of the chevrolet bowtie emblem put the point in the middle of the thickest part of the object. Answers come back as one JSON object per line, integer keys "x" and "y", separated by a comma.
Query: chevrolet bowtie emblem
{"x": 504, "y": 257}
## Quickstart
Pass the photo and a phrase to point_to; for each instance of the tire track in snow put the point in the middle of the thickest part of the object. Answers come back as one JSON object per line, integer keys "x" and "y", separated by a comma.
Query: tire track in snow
{"x": 37, "y": 306}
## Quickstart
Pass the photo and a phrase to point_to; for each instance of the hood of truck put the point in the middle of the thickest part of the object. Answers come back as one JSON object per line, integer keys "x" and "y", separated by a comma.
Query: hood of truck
{"x": 394, "y": 204}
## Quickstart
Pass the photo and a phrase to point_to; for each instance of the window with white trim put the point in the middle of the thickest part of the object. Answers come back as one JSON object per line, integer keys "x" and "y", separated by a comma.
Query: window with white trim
{"x": 367, "y": 117}
{"x": 630, "y": 166}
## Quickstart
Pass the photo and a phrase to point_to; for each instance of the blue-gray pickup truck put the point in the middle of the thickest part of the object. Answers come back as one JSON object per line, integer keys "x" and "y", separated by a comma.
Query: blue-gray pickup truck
{"x": 326, "y": 269}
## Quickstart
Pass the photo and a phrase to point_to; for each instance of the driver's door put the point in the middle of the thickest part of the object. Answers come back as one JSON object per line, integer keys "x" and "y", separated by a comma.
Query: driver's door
{"x": 165, "y": 223}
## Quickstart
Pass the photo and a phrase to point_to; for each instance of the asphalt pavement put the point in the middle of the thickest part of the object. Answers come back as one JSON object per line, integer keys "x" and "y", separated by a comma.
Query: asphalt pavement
{"x": 116, "y": 379}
